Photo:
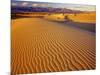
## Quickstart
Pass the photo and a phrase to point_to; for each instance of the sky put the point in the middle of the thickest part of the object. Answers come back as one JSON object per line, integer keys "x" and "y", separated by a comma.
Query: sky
{"x": 31, "y": 3}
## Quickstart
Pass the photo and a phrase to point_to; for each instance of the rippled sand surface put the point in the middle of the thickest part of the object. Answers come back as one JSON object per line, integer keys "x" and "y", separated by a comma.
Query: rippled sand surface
{"x": 43, "y": 46}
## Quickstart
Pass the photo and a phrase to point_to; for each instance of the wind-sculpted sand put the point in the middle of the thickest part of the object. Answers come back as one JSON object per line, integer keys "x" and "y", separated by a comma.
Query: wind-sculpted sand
{"x": 83, "y": 17}
{"x": 43, "y": 46}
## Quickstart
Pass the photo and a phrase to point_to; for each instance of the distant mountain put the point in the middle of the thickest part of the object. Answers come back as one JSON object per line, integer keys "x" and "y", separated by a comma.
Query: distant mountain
{"x": 20, "y": 9}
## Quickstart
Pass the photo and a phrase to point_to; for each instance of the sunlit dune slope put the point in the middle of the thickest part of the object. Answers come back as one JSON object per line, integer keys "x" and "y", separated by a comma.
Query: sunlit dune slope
{"x": 55, "y": 17}
{"x": 83, "y": 17}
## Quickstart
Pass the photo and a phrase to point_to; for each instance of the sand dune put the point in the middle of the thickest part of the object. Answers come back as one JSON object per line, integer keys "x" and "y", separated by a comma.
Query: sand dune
{"x": 89, "y": 17}
{"x": 42, "y": 46}
{"x": 86, "y": 17}
{"x": 55, "y": 17}
{"x": 83, "y": 17}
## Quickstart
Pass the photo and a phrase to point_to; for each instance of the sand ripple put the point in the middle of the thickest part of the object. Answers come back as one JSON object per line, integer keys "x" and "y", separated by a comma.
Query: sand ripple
{"x": 42, "y": 46}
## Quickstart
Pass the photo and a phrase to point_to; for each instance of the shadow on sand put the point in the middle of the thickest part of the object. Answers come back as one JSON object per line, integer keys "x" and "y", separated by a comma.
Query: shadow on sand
{"x": 86, "y": 26}
{"x": 91, "y": 27}
{"x": 14, "y": 16}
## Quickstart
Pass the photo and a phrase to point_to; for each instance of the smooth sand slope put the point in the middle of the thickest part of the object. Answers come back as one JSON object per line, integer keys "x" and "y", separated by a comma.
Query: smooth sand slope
{"x": 42, "y": 46}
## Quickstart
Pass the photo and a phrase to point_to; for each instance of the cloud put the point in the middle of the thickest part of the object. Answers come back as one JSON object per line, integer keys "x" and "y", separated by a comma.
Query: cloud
{"x": 44, "y": 5}
{"x": 24, "y": 4}
{"x": 40, "y": 5}
{"x": 34, "y": 5}
{"x": 14, "y": 4}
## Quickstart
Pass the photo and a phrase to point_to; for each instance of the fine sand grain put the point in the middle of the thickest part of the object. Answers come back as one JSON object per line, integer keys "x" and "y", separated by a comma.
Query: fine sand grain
{"x": 39, "y": 45}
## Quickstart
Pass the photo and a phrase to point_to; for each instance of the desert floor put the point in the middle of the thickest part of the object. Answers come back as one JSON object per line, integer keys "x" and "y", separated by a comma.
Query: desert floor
{"x": 39, "y": 45}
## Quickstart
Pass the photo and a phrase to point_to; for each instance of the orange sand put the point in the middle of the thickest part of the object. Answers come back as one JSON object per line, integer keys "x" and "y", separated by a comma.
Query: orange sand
{"x": 83, "y": 17}
{"x": 42, "y": 46}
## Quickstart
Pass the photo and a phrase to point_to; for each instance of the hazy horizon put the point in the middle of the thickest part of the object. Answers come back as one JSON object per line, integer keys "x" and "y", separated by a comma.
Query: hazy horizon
{"x": 33, "y": 3}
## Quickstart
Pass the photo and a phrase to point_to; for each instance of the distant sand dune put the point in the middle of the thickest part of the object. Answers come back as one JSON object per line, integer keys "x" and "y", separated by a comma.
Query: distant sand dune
{"x": 89, "y": 17}
{"x": 42, "y": 46}
{"x": 83, "y": 17}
